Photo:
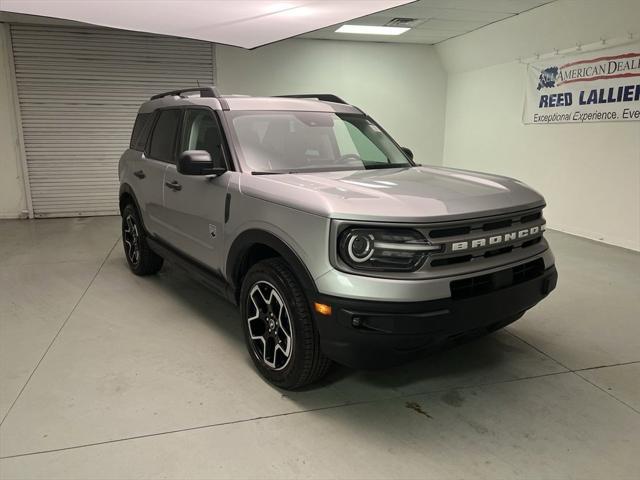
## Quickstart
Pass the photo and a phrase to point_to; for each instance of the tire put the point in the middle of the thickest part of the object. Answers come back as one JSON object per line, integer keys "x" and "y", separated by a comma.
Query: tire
{"x": 279, "y": 331}
{"x": 141, "y": 259}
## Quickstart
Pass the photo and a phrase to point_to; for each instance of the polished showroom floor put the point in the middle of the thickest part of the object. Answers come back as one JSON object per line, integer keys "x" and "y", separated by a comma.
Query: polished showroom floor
{"x": 108, "y": 375}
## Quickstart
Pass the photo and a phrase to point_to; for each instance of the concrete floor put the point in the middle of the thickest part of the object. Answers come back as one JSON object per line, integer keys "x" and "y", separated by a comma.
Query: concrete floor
{"x": 107, "y": 375}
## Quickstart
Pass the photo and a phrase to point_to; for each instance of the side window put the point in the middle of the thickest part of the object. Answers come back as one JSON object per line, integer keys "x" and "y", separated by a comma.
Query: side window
{"x": 163, "y": 136}
{"x": 202, "y": 132}
{"x": 140, "y": 131}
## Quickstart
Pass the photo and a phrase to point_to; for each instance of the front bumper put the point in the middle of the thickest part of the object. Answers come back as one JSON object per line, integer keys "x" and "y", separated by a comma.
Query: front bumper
{"x": 374, "y": 334}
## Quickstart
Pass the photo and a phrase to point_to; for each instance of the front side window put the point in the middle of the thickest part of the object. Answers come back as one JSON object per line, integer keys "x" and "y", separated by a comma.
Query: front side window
{"x": 202, "y": 132}
{"x": 164, "y": 135}
{"x": 313, "y": 141}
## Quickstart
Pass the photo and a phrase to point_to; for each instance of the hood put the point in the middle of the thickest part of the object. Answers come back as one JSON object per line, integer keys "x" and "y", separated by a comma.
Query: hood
{"x": 417, "y": 194}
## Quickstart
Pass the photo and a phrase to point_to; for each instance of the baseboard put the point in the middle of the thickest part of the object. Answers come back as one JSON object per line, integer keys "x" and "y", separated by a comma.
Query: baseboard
{"x": 13, "y": 216}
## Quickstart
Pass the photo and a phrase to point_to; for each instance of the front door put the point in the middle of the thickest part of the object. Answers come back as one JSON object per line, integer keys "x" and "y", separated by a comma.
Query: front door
{"x": 194, "y": 205}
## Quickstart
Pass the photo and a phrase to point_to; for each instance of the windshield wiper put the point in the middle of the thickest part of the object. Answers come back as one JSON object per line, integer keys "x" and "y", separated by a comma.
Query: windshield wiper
{"x": 269, "y": 172}
{"x": 380, "y": 166}
{"x": 335, "y": 168}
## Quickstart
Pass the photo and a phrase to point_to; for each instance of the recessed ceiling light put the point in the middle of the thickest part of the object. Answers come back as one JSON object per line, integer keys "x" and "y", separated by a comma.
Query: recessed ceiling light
{"x": 372, "y": 30}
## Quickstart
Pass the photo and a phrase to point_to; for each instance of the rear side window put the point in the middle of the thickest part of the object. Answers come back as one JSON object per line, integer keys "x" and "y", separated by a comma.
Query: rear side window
{"x": 164, "y": 136}
{"x": 140, "y": 131}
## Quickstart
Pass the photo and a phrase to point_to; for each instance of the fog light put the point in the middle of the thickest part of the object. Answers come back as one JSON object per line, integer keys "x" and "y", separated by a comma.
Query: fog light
{"x": 322, "y": 308}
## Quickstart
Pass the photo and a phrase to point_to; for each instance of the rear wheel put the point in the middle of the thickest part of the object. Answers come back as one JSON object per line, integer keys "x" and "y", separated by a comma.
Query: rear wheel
{"x": 279, "y": 330}
{"x": 141, "y": 259}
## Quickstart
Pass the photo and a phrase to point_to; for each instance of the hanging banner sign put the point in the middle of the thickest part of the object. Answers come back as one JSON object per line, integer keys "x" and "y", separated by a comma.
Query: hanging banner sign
{"x": 601, "y": 86}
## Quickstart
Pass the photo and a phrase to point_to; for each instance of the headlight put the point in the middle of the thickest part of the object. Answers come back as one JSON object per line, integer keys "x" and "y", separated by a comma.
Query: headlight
{"x": 400, "y": 250}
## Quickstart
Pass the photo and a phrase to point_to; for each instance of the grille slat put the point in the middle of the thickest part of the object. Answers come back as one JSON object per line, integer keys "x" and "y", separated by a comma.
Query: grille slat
{"x": 531, "y": 218}
{"x": 497, "y": 225}
{"x": 449, "y": 232}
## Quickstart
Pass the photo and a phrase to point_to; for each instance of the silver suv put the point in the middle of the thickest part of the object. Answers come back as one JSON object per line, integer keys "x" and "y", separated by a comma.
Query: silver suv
{"x": 335, "y": 245}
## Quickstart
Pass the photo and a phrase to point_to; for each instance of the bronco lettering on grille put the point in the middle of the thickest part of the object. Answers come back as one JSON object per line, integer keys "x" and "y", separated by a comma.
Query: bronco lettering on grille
{"x": 496, "y": 239}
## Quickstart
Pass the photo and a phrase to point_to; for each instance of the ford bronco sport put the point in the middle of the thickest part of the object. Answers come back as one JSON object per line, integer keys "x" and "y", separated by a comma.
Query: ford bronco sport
{"x": 335, "y": 245}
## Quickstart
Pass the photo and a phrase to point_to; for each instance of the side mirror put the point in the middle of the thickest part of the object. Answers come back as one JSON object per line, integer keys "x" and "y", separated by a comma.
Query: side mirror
{"x": 407, "y": 152}
{"x": 197, "y": 162}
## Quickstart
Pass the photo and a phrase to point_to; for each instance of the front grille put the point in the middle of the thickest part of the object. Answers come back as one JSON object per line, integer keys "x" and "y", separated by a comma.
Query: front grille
{"x": 483, "y": 228}
{"x": 483, "y": 284}
{"x": 486, "y": 225}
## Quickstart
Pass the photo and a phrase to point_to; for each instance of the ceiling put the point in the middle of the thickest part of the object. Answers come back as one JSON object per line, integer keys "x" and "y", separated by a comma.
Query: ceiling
{"x": 438, "y": 20}
{"x": 243, "y": 23}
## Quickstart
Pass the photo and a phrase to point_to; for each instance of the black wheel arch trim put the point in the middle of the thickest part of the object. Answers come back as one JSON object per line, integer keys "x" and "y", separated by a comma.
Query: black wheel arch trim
{"x": 125, "y": 189}
{"x": 249, "y": 238}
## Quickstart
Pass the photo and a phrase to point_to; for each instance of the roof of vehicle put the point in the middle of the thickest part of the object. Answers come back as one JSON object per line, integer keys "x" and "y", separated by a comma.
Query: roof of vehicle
{"x": 210, "y": 97}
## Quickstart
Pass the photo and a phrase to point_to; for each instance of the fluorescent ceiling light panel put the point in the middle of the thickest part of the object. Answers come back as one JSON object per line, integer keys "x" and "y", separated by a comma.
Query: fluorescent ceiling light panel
{"x": 372, "y": 30}
{"x": 242, "y": 23}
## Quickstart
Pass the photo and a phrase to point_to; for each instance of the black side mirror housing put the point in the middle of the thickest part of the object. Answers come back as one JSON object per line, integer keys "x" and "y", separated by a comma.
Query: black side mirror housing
{"x": 407, "y": 152}
{"x": 197, "y": 162}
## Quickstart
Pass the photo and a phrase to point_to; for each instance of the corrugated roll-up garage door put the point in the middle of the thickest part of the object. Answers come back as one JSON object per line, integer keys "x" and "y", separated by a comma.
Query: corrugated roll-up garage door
{"x": 79, "y": 90}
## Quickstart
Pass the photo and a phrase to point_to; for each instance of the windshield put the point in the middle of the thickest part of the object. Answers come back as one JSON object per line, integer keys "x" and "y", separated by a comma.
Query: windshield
{"x": 283, "y": 142}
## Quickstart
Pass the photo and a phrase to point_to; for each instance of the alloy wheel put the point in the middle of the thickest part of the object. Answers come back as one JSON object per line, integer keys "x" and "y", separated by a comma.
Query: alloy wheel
{"x": 131, "y": 237}
{"x": 269, "y": 325}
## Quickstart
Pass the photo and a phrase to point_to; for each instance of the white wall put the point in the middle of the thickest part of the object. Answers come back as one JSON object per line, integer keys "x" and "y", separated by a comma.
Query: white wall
{"x": 589, "y": 173}
{"x": 401, "y": 86}
{"x": 13, "y": 202}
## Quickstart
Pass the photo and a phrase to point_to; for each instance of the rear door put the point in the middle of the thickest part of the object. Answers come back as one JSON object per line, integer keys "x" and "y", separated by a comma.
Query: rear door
{"x": 159, "y": 153}
{"x": 195, "y": 204}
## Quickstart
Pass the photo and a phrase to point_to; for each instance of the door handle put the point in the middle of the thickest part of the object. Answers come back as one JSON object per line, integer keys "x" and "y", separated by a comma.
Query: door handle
{"x": 140, "y": 174}
{"x": 175, "y": 186}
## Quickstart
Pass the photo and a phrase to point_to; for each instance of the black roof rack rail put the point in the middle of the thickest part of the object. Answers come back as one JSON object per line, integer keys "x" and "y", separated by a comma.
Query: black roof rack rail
{"x": 323, "y": 97}
{"x": 209, "y": 91}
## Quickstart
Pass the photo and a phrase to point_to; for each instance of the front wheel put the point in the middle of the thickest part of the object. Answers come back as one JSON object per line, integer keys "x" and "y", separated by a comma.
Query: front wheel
{"x": 279, "y": 330}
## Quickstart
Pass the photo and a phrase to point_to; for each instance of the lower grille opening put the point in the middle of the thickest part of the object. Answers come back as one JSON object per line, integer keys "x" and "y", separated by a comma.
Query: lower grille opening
{"x": 528, "y": 271}
{"x": 471, "y": 287}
